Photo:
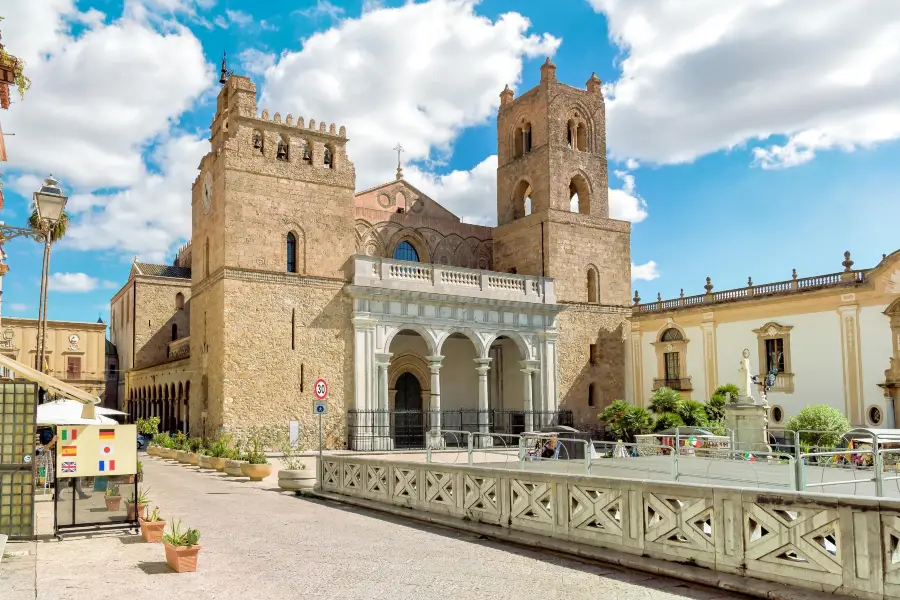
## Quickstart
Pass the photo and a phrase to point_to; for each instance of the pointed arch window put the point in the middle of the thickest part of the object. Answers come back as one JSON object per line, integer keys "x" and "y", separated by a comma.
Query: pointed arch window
{"x": 593, "y": 287}
{"x": 406, "y": 251}
{"x": 291, "y": 252}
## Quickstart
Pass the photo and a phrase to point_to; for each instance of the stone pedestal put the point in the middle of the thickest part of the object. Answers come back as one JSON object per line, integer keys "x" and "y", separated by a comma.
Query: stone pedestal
{"x": 749, "y": 423}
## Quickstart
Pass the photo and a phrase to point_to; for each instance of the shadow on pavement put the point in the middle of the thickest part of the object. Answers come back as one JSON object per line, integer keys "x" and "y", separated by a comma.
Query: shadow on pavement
{"x": 155, "y": 568}
{"x": 132, "y": 539}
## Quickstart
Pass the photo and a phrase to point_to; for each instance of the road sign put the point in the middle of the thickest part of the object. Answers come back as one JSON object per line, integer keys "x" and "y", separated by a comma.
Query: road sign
{"x": 320, "y": 389}
{"x": 321, "y": 407}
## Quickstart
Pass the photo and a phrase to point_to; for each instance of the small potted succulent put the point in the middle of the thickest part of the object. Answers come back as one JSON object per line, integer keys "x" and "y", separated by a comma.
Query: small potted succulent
{"x": 294, "y": 476}
{"x": 182, "y": 548}
{"x": 112, "y": 498}
{"x": 142, "y": 501}
{"x": 152, "y": 527}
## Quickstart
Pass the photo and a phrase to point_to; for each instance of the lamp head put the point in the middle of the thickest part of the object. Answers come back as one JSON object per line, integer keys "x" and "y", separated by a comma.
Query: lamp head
{"x": 50, "y": 201}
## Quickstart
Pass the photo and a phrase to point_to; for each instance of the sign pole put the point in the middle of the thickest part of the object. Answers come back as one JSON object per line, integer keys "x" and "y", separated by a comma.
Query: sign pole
{"x": 320, "y": 407}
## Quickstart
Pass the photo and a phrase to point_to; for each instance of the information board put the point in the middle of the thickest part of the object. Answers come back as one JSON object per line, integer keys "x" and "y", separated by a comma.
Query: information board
{"x": 96, "y": 450}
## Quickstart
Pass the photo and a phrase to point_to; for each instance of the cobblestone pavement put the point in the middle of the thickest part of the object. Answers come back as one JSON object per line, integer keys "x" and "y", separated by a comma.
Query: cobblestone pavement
{"x": 261, "y": 543}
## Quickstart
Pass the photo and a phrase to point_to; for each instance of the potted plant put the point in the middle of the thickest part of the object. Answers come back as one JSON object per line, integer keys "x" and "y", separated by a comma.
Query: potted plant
{"x": 182, "y": 548}
{"x": 142, "y": 501}
{"x": 218, "y": 453}
{"x": 112, "y": 498}
{"x": 140, "y": 473}
{"x": 152, "y": 527}
{"x": 235, "y": 459}
{"x": 181, "y": 447}
{"x": 257, "y": 466}
{"x": 193, "y": 450}
{"x": 294, "y": 476}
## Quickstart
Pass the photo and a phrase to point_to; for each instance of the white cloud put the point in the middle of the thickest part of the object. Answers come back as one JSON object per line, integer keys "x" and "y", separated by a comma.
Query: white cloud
{"x": 149, "y": 218}
{"x": 708, "y": 75}
{"x": 646, "y": 271}
{"x": 324, "y": 8}
{"x": 256, "y": 62}
{"x": 239, "y": 17}
{"x": 451, "y": 65}
{"x": 72, "y": 282}
{"x": 625, "y": 203}
{"x": 18, "y": 307}
{"x": 96, "y": 99}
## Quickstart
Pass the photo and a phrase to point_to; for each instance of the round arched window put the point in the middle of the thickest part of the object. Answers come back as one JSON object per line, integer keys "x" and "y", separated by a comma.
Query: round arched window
{"x": 671, "y": 335}
{"x": 777, "y": 414}
{"x": 405, "y": 251}
{"x": 875, "y": 415}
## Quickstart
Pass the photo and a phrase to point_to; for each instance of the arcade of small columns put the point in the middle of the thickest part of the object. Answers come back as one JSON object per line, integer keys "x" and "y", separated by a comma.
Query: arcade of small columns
{"x": 168, "y": 401}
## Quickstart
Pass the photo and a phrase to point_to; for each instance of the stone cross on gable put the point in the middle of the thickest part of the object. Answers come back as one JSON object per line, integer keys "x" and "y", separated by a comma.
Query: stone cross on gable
{"x": 398, "y": 149}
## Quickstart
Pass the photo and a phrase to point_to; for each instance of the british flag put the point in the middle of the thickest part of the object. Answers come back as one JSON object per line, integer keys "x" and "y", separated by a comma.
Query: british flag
{"x": 68, "y": 467}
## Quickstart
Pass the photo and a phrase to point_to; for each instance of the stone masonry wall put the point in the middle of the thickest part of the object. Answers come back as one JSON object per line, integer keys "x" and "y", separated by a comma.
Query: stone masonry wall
{"x": 579, "y": 326}
{"x": 207, "y": 350}
{"x": 155, "y": 313}
{"x": 575, "y": 242}
{"x": 518, "y": 245}
{"x": 268, "y": 378}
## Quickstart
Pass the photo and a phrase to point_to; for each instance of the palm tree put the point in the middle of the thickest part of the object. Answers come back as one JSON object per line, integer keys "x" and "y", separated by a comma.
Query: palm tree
{"x": 57, "y": 232}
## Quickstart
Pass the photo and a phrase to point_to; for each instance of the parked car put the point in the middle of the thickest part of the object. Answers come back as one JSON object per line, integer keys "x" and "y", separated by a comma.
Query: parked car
{"x": 142, "y": 441}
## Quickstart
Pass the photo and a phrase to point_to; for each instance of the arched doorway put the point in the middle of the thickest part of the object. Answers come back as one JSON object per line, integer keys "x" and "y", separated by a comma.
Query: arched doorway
{"x": 409, "y": 426}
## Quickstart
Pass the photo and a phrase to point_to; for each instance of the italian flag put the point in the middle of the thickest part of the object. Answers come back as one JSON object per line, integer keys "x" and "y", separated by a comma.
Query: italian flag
{"x": 68, "y": 435}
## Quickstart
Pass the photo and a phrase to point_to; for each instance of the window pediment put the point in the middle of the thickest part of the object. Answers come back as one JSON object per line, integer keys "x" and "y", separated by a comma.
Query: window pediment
{"x": 773, "y": 329}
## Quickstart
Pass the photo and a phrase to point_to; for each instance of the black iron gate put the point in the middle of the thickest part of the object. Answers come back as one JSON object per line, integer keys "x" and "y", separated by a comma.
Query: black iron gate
{"x": 18, "y": 403}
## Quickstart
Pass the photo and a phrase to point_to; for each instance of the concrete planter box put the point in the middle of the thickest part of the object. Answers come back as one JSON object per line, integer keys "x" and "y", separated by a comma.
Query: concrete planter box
{"x": 152, "y": 450}
{"x": 233, "y": 468}
{"x": 301, "y": 479}
{"x": 193, "y": 458}
{"x": 217, "y": 463}
{"x": 203, "y": 462}
{"x": 256, "y": 472}
{"x": 181, "y": 456}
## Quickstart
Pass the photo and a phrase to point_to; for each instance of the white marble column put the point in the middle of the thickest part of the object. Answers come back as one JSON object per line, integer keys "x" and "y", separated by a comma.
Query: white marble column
{"x": 434, "y": 365}
{"x": 548, "y": 393}
{"x": 484, "y": 365}
{"x": 364, "y": 383}
{"x": 528, "y": 371}
{"x": 382, "y": 433}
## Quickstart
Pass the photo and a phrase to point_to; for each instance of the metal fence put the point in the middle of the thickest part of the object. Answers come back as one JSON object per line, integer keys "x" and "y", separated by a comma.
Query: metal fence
{"x": 409, "y": 429}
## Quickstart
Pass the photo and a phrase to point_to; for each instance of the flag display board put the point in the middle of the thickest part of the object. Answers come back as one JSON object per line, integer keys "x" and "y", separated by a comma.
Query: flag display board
{"x": 95, "y": 450}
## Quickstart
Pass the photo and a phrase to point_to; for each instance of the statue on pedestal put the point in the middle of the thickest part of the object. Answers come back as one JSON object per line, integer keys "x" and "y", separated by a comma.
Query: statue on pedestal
{"x": 745, "y": 382}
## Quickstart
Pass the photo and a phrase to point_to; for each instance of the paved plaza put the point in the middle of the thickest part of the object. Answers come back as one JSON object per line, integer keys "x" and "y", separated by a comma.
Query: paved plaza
{"x": 259, "y": 542}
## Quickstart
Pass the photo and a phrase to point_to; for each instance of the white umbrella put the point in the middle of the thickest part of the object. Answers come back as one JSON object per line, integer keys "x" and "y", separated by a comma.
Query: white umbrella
{"x": 68, "y": 412}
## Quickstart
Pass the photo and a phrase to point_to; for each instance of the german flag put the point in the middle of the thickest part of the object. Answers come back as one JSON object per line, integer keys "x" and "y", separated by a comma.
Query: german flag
{"x": 69, "y": 450}
{"x": 107, "y": 434}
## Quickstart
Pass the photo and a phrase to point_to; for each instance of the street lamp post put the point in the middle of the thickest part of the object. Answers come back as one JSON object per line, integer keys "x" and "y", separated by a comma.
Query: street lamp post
{"x": 49, "y": 202}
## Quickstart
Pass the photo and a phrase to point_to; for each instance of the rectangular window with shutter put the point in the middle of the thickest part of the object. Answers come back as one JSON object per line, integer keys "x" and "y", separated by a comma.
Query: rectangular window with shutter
{"x": 673, "y": 366}
{"x": 774, "y": 355}
{"x": 73, "y": 367}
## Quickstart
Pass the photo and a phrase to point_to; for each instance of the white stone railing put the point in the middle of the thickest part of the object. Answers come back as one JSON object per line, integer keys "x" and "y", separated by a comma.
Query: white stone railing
{"x": 830, "y": 544}
{"x": 372, "y": 271}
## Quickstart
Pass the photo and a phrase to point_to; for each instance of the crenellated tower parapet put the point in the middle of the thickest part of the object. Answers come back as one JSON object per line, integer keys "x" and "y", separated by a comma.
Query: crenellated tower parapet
{"x": 282, "y": 147}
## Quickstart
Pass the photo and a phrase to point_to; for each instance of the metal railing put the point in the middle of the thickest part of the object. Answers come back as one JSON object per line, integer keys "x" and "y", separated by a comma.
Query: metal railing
{"x": 411, "y": 429}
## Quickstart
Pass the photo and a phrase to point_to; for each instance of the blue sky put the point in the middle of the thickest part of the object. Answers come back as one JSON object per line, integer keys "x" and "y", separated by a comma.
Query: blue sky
{"x": 745, "y": 140}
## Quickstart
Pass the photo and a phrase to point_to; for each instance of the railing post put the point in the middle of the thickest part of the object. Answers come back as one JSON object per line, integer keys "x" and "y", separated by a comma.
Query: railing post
{"x": 428, "y": 454}
{"x": 800, "y": 474}
{"x": 521, "y": 454}
{"x": 470, "y": 442}
{"x": 879, "y": 473}
{"x": 587, "y": 457}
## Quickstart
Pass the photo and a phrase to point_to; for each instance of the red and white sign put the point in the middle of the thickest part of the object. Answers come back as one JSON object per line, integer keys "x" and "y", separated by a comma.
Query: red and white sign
{"x": 106, "y": 450}
{"x": 320, "y": 389}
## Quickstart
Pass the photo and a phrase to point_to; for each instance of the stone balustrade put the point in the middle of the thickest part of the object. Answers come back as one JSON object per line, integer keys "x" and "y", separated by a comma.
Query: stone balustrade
{"x": 372, "y": 271}
{"x": 831, "y": 544}
{"x": 844, "y": 279}
{"x": 180, "y": 348}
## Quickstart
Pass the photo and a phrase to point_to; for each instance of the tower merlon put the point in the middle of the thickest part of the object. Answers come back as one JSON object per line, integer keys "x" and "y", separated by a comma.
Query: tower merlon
{"x": 323, "y": 129}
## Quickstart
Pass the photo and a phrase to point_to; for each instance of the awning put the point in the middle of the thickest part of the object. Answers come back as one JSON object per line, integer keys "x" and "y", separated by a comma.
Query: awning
{"x": 48, "y": 383}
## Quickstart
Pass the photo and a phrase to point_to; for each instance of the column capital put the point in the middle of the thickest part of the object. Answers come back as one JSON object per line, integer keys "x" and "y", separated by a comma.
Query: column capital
{"x": 362, "y": 322}
{"x": 383, "y": 359}
{"x": 436, "y": 359}
{"x": 530, "y": 366}
{"x": 548, "y": 336}
{"x": 483, "y": 366}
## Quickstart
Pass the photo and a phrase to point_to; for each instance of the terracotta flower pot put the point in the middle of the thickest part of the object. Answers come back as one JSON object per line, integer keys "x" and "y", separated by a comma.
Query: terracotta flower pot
{"x": 182, "y": 559}
{"x": 152, "y": 531}
{"x": 217, "y": 463}
{"x": 299, "y": 479}
{"x": 142, "y": 510}
{"x": 113, "y": 502}
{"x": 193, "y": 458}
{"x": 256, "y": 472}
{"x": 233, "y": 468}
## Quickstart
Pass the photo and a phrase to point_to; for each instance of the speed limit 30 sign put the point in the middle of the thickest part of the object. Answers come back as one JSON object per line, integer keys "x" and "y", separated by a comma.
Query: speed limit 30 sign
{"x": 320, "y": 389}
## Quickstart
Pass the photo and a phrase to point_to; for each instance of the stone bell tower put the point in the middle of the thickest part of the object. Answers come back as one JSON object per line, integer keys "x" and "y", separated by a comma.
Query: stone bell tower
{"x": 553, "y": 221}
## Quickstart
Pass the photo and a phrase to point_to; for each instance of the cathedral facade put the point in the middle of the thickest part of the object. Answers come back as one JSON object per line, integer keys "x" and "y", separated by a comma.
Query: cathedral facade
{"x": 419, "y": 323}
